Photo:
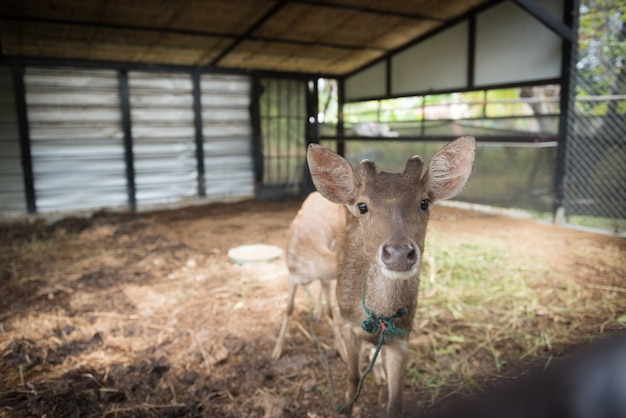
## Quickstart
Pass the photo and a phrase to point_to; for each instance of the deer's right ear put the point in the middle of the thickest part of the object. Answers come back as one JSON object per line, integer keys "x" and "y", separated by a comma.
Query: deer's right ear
{"x": 332, "y": 175}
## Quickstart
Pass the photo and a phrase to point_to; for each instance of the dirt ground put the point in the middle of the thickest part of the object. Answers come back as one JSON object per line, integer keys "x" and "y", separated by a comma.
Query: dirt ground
{"x": 145, "y": 315}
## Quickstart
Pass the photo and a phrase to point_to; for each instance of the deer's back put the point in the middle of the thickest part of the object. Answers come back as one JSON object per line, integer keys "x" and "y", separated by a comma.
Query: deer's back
{"x": 312, "y": 240}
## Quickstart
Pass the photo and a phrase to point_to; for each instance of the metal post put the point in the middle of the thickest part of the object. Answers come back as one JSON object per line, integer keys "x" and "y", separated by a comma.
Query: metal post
{"x": 341, "y": 129}
{"x": 22, "y": 121}
{"x": 312, "y": 110}
{"x": 257, "y": 138}
{"x": 568, "y": 93}
{"x": 471, "y": 48}
{"x": 128, "y": 140}
{"x": 311, "y": 129}
{"x": 199, "y": 135}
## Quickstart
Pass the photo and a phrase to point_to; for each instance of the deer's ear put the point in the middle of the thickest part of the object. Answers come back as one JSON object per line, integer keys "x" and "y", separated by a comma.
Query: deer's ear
{"x": 450, "y": 169}
{"x": 332, "y": 175}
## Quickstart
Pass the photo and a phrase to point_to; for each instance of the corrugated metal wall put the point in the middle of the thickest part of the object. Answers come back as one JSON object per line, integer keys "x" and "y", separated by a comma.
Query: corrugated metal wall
{"x": 12, "y": 196}
{"x": 163, "y": 136}
{"x": 76, "y": 138}
{"x": 227, "y": 132}
{"x": 76, "y": 127}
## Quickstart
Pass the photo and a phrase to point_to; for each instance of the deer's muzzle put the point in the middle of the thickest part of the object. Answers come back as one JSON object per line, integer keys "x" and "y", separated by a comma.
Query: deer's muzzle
{"x": 399, "y": 260}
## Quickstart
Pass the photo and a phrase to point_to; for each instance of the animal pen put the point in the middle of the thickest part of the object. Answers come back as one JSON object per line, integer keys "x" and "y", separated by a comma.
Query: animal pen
{"x": 139, "y": 142}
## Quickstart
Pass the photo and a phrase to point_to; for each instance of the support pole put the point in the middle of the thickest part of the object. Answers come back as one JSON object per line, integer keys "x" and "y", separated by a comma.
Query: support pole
{"x": 128, "y": 140}
{"x": 199, "y": 135}
{"x": 257, "y": 136}
{"x": 25, "y": 150}
{"x": 568, "y": 95}
{"x": 341, "y": 129}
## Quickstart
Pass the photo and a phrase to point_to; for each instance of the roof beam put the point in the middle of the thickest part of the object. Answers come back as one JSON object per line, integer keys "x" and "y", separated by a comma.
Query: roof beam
{"x": 541, "y": 14}
{"x": 368, "y": 10}
{"x": 105, "y": 25}
{"x": 249, "y": 31}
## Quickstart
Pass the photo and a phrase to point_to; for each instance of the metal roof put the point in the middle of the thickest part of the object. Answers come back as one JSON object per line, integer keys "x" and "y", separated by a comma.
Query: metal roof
{"x": 330, "y": 37}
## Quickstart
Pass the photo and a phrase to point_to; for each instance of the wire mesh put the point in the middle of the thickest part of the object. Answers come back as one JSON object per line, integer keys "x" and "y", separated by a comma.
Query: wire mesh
{"x": 595, "y": 168}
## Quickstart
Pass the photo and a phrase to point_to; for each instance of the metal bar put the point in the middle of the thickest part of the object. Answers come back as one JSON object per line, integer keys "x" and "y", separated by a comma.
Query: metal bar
{"x": 19, "y": 91}
{"x": 413, "y": 121}
{"x": 423, "y": 121}
{"x": 315, "y": 110}
{"x": 312, "y": 134}
{"x": 388, "y": 78}
{"x": 369, "y": 10}
{"x": 128, "y": 140}
{"x": 341, "y": 129}
{"x": 133, "y": 66}
{"x": 471, "y": 51}
{"x": 536, "y": 10}
{"x": 199, "y": 134}
{"x": 536, "y": 139}
{"x": 568, "y": 93}
{"x": 269, "y": 130}
{"x": 280, "y": 122}
{"x": 257, "y": 139}
{"x": 459, "y": 90}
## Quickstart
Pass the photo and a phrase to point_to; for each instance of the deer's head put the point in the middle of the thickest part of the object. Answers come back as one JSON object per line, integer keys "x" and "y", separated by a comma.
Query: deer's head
{"x": 393, "y": 208}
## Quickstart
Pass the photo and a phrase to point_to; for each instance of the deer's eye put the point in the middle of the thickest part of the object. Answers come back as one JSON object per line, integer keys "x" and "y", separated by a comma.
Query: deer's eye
{"x": 362, "y": 207}
{"x": 425, "y": 204}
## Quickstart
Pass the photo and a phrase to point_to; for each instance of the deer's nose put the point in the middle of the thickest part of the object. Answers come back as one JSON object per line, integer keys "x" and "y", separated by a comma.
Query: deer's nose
{"x": 399, "y": 257}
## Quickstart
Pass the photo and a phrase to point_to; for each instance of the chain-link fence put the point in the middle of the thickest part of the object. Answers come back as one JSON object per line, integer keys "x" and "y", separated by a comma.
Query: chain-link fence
{"x": 595, "y": 161}
{"x": 595, "y": 176}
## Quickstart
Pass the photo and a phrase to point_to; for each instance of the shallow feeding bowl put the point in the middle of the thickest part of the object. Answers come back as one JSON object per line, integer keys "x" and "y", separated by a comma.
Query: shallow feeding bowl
{"x": 254, "y": 253}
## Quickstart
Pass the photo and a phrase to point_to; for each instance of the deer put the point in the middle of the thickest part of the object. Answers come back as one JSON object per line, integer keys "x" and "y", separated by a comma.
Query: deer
{"x": 380, "y": 249}
{"x": 311, "y": 254}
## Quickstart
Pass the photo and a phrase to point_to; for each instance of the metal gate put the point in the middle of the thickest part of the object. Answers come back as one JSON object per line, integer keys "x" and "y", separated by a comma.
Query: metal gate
{"x": 288, "y": 122}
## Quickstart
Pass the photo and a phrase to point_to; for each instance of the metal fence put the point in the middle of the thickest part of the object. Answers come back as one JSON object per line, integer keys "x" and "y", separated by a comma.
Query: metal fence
{"x": 595, "y": 165}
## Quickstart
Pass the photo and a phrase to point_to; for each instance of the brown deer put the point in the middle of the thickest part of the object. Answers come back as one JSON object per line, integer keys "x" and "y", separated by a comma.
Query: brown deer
{"x": 311, "y": 254}
{"x": 381, "y": 247}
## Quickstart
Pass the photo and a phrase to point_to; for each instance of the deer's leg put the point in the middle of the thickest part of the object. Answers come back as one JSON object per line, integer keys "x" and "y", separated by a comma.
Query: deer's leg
{"x": 326, "y": 290}
{"x": 353, "y": 350}
{"x": 278, "y": 349}
{"x": 395, "y": 362}
{"x": 336, "y": 322}
{"x": 317, "y": 312}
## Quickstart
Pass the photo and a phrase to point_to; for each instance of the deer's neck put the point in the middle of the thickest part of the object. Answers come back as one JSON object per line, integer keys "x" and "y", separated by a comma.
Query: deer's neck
{"x": 385, "y": 296}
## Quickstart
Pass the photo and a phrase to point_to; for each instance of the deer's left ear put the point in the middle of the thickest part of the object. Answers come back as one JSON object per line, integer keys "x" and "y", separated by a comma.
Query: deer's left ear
{"x": 450, "y": 169}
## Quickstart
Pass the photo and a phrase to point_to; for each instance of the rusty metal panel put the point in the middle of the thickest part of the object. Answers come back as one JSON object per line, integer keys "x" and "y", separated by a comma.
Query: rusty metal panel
{"x": 76, "y": 138}
{"x": 12, "y": 195}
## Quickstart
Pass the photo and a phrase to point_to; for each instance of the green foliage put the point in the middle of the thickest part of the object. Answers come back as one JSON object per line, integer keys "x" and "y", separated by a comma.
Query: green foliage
{"x": 602, "y": 46}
